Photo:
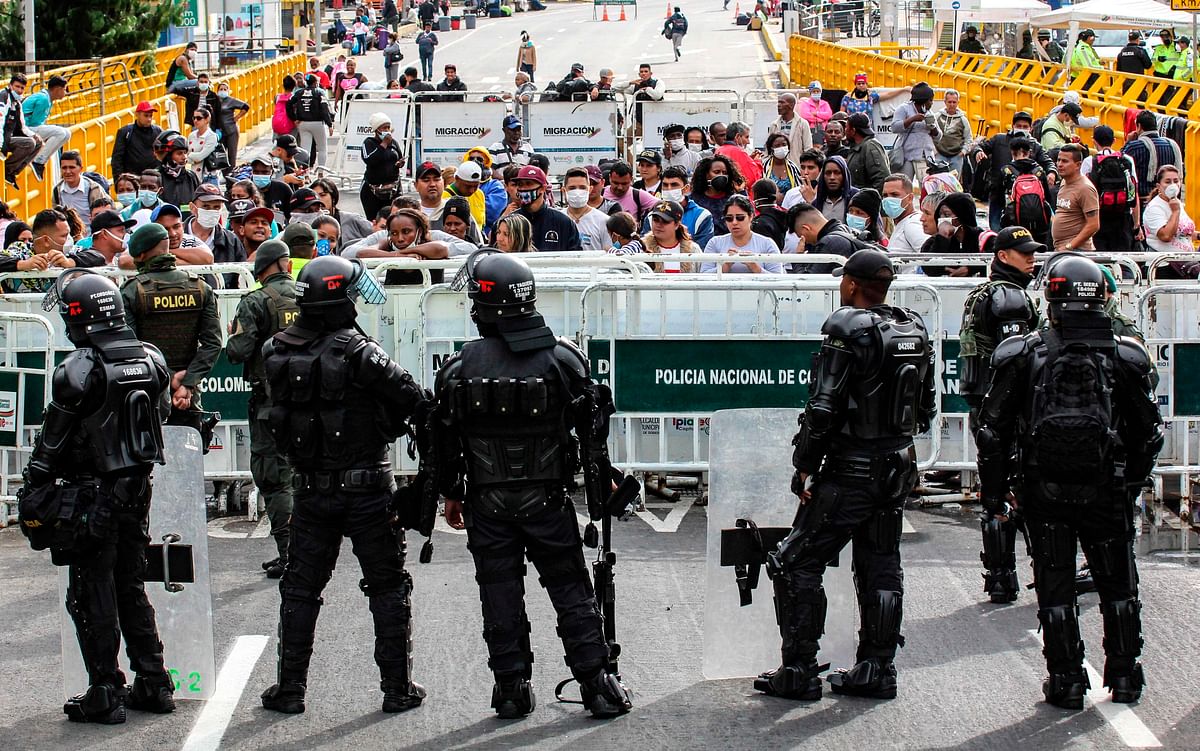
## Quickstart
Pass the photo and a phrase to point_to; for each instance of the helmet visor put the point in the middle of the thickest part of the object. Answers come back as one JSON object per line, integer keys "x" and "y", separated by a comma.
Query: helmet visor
{"x": 52, "y": 300}
{"x": 466, "y": 273}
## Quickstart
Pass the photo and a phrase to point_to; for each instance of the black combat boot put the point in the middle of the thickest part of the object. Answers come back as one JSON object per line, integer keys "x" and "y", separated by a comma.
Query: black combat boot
{"x": 874, "y": 675}
{"x": 1000, "y": 579}
{"x": 1063, "y": 649}
{"x": 512, "y": 696}
{"x": 287, "y": 698}
{"x": 1122, "y": 644}
{"x": 1126, "y": 688}
{"x": 101, "y": 703}
{"x": 604, "y": 696}
{"x": 275, "y": 567}
{"x": 157, "y": 696}
{"x": 800, "y": 612}
{"x": 401, "y": 695}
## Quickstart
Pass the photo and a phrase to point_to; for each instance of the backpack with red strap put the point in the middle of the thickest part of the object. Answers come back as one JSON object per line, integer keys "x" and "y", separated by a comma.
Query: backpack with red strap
{"x": 1028, "y": 199}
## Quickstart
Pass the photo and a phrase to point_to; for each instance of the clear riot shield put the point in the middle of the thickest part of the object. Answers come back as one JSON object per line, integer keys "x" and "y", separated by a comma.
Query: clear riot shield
{"x": 182, "y": 608}
{"x": 750, "y": 474}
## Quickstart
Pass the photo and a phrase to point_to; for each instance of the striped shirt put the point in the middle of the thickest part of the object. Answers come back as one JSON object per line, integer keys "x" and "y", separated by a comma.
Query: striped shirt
{"x": 1164, "y": 151}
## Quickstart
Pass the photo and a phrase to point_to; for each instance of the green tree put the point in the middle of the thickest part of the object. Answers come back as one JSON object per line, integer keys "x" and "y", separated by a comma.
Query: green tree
{"x": 78, "y": 29}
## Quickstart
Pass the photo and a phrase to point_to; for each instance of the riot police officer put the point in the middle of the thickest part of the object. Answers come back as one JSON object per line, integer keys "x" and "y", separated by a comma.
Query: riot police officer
{"x": 101, "y": 436}
{"x": 872, "y": 391}
{"x": 175, "y": 311}
{"x": 505, "y": 406}
{"x": 338, "y": 403}
{"x": 1071, "y": 414}
{"x": 995, "y": 310}
{"x": 261, "y": 314}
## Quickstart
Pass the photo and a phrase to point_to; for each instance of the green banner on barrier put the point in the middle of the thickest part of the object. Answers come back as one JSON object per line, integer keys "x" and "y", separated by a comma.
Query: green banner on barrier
{"x": 708, "y": 375}
{"x": 952, "y": 403}
{"x": 1185, "y": 380}
{"x": 225, "y": 390}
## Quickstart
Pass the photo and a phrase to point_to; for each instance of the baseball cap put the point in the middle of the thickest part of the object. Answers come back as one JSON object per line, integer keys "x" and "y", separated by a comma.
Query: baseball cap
{"x": 240, "y": 207}
{"x": 268, "y": 253}
{"x": 287, "y": 142}
{"x": 145, "y": 238}
{"x": 262, "y": 211}
{"x": 529, "y": 172}
{"x": 458, "y": 207}
{"x": 1072, "y": 110}
{"x": 469, "y": 171}
{"x": 1018, "y": 239}
{"x": 298, "y": 234}
{"x": 867, "y": 264}
{"x": 860, "y": 78}
{"x": 302, "y": 199}
{"x": 1135, "y": 35}
{"x": 425, "y": 168}
{"x": 110, "y": 220}
{"x": 208, "y": 192}
{"x": 1022, "y": 115}
{"x": 669, "y": 210}
{"x": 512, "y": 122}
{"x": 594, "y": 173}
{"x": 263, "y": 159}
{"x": 649, "y": 155}
{"x": 145, "y": 107}
{"x": 576, "y": 66}
{"x": 860, "y": 122}
{"x": 673, "y": 128}
{"x": 484, "y": 155}
{"x": 165, "y": 209}
{"x": 815, "y": 86}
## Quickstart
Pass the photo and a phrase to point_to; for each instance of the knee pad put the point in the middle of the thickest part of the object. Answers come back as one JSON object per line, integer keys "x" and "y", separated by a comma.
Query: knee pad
{"x": 497, "y": 573}
{"x": 800, "y": 610}
{"x": 882, "y": 612}
{"x": 561, "y": 570}
{"x": 373, "y": 586}
{"x": 1122, "y": 627}
{"x": 1063, "y": 647}
{"x": 883, "y": 530}
{"x": 1054, "y": 546}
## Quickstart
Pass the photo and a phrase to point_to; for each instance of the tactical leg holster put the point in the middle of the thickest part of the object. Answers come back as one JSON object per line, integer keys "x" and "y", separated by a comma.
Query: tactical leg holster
{"x": 1064, "y": 657}
{"x": 800, "y": 612}
{"x": 298, "y": 611}
{"x": 999, "y": 559}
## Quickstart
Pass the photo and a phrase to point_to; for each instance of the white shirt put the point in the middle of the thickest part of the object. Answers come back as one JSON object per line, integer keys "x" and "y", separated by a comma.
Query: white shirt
{"x": 758, "y": 245}
{"x": 1156, "y": 216}
{"x": 686, "y": 158}
{"x": 593, "y": 229}
{"x": 908, "y": 235}
{"x": 200, "y": 146}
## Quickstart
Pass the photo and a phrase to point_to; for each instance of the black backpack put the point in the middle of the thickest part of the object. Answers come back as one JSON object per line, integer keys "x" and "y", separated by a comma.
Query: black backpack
{"x": 1036, "y": 130}
{"x": 1110, "y": 175}
{"x": 1072, "y": 434}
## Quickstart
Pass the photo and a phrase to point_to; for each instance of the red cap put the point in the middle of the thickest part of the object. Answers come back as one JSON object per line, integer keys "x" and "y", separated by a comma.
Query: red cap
{"x": 529, "y": 172}
{"x": 145, "y": 107}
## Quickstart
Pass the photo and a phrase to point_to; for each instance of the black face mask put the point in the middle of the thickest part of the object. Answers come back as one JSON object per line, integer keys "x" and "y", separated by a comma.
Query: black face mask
{"x": 720, "y": 183}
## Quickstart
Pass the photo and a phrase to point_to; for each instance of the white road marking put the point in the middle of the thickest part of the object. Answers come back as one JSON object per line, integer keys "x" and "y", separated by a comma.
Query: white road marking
{"x": 1133, "y": 732}
{"x": 671, "y": 523}
{"x": 906, "y": 527}
{"x": 263, "y": 529}
{"x": 213, "y": 721}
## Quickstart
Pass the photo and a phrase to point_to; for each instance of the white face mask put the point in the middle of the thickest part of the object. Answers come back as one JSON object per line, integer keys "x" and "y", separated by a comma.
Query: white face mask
{"x": 123, "y": 240}
{"x": 675, "y": 195}
{"x": 191, "y": 54}
{"x": 1171, "y": 191}
{"x": 202, "y": 86}
{"x": 302, "y": 217}
{"x": 696, "y": 146}
{"x": 676, "y": 144}
{"x": 814, "y": 95}
{"x": 577, "y": 198}
{"x": 780, "y": 152}
{"x": 208, "y": 218}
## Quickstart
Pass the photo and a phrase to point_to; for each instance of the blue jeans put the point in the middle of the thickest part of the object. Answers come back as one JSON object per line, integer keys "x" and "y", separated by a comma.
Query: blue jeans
{"x": 427, "y": 67}
{"x": 996, "y": 211}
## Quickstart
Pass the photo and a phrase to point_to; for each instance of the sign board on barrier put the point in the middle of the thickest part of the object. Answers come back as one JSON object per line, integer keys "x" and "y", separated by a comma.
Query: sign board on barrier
{"x": 191, "y": 14}
{"x": 961, "y": 6}
{"x": 658, "y": 115}
{"x": 1186, "y": 359}
{"x": 358, "y": 111}
{"x": 574, "y": 134}
{"x": 446, "y": 130}
{"x": 226, "y": 391}
{"x": 705, "y": 376}
{"x": 1192, "y": 6}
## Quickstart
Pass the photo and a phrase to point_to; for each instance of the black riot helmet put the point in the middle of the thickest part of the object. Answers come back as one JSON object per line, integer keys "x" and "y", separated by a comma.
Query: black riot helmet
{"x": 1074, "y": 283}
{"x": 88, "y": 303}
{"x": 328, "y": 287}
{"x": 499, "y": 284}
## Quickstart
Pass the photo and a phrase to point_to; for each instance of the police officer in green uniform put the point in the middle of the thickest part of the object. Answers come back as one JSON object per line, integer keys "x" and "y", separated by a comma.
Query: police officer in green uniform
{"x": 261, "y": 314}
{"x": 1167, "y": 59}
{"x": 175, "y": 311}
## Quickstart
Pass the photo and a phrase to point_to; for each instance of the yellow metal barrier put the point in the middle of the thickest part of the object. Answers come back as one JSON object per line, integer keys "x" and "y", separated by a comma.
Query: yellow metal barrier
{"x": 1169, "y": 97}
{"x": 94, "y": 139}
{"x": 989, "y": 102}
{"x": 122, "y": 77}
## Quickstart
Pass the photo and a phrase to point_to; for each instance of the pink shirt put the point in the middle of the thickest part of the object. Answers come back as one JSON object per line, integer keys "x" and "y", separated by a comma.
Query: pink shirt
{"x": 817, "y": 112}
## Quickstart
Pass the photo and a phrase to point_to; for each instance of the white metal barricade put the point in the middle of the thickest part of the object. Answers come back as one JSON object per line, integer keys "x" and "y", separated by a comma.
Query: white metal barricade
{"x": 26, "y": 362}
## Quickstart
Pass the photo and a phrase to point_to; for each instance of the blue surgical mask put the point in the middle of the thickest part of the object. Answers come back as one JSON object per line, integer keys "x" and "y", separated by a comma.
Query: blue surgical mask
{"x": 856, "y": 223}
{"x": 893, "y": 207}
{"x": 261, "y": 181}
{"x": 323, "y": 247}
{"x": 147, "y": 198}
{"x": 127, "y": 198}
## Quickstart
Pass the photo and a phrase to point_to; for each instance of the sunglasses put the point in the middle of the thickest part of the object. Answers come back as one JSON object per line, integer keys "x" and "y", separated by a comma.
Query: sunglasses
{"x": 736, "y": 217}
{"x": 199, "y": 117}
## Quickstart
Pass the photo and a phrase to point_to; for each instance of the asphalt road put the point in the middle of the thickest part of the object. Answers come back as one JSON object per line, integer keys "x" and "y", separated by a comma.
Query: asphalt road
{"x": 969, "y": 676}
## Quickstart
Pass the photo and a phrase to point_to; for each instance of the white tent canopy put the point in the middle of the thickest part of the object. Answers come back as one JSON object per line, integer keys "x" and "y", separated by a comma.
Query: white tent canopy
{"x": 995, "y": 11}
{"x": 1114, "y": 14}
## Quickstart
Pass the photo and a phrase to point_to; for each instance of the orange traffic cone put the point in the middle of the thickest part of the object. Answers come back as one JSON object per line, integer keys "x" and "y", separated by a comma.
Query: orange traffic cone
{"x": 622, "y": 18}
{"x": 737, "y": 11}
{"x": 605, "y": 18}
{"x": 668, "y": 10}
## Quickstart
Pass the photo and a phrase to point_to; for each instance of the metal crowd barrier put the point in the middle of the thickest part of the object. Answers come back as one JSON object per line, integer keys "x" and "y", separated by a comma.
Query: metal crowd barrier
{"x": 25, "y": 364}
{"x": 653, "y": 337}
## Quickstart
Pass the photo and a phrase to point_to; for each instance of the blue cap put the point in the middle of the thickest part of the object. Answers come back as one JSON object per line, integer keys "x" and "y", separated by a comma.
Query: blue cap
{"x": 166, "y": 208}
{"x": 511, "y": 122}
